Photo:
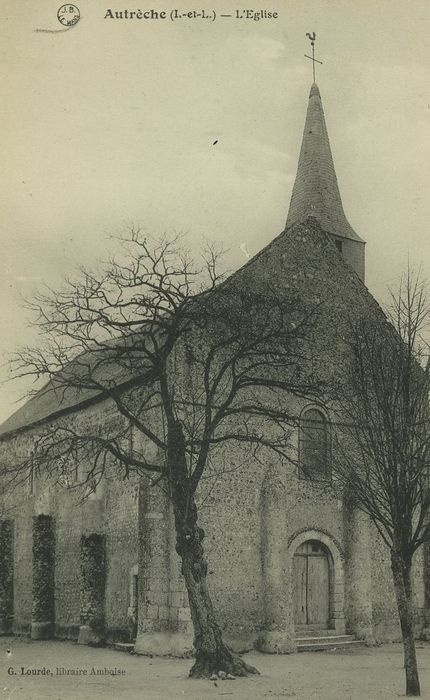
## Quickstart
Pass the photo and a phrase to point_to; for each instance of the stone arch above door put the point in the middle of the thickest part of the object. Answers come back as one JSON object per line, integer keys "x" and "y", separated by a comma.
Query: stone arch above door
{"x": 337, "y": 592}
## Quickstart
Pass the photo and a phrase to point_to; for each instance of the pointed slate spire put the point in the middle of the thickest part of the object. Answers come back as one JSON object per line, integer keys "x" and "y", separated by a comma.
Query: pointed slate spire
{"x": 316, "y": 192}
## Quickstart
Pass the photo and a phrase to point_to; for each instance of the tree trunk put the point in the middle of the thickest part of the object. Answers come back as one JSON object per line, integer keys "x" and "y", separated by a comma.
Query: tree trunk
{"x": 211, "y": 653}
{"x": 401, "y": 568}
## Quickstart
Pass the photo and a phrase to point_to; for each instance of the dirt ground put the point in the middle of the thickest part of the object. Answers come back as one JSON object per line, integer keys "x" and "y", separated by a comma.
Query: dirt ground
{"x": 362, "y": 674}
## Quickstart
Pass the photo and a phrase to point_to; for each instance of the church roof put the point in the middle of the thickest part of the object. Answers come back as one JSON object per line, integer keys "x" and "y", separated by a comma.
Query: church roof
{"x": 67, "y": 391}
{"x": 50, "y": 401}
{"x": 316, "y": 192}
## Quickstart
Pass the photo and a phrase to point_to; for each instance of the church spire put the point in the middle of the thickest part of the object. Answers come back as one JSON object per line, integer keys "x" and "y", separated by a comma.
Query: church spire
{"x": 316, "y": 192}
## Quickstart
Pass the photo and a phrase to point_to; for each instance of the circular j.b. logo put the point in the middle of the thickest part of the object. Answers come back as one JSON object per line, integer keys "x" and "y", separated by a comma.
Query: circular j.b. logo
{"x": 68, "y": 15}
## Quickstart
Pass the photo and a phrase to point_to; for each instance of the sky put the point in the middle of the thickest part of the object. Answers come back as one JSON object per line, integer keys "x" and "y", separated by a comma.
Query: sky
{"x": 113, "y": 123}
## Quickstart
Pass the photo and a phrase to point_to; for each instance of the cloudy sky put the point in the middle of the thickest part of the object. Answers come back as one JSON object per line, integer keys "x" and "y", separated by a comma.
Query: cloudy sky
{"x": 113, "y": 122}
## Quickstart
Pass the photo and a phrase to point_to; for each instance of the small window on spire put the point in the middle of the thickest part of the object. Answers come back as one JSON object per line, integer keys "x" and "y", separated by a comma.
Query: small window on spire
{"x": 338, "y": 245}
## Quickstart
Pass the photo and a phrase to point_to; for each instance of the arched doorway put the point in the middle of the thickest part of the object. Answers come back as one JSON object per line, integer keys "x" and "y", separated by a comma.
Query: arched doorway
{"x": 312, "y": 585}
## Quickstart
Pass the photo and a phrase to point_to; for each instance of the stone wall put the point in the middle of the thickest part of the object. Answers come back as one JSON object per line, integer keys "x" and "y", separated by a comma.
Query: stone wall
{"x": 254, "y": 521}
{"x": 6, "y": 576}
{"x": 23, "y": 565}
{"x": 122, "y": 554}
{"x": 110, "y": 511}
{"x": 68, "y": 533}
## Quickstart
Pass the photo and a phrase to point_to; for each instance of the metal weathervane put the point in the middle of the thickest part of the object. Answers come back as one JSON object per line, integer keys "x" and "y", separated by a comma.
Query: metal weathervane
{"x": 314, "y": 60}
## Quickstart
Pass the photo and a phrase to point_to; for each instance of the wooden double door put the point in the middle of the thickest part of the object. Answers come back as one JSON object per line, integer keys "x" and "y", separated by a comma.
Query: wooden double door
{"x": 311, "y": 581}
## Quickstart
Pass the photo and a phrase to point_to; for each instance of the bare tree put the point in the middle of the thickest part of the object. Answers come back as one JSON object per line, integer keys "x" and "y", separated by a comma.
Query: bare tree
{"x": 188, "y": 368}
{"x": 382, "y": 456}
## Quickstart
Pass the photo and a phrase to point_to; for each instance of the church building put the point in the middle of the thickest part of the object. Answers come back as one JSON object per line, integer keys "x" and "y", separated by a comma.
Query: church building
{"x": 291, "y": 566}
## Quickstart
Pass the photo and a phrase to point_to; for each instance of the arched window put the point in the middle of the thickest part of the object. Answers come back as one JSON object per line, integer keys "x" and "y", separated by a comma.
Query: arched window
{"x": 314, "y": 445}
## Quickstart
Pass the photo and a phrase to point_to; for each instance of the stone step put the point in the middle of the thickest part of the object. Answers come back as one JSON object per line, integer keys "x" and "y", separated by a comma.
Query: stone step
{"x": 328, "y": 643}
{"x": 331, "y": 639}
{"x": 128, "y": 647}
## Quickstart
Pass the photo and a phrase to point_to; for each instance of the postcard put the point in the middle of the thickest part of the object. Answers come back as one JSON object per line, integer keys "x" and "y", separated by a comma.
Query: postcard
{"x": 214, "y": 373}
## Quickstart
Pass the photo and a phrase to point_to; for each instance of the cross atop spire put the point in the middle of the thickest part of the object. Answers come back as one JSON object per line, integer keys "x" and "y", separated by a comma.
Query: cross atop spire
{"x": 314, "y": 60}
